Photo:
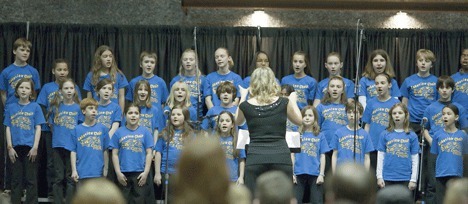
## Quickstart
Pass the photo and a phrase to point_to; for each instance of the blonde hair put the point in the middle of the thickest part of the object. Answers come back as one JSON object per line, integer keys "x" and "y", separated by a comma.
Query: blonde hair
{"x": 391, "y": 123}
{"x": 429, "y": 55}
{"x": 149, "y": 55}
{"x": 327, "y": 97}
{"x": 202, "y": 174}
{"x": 98, "y": 191}
{"x": 171, "y": 102}
{"x": 97, "y": 65}
{"x": 315, "y": 126}
{"x": 369, "y": 69}
{"x": 181, "y": 67}
{"x": 22, "y": 42}
{"x": 263, "y": 85}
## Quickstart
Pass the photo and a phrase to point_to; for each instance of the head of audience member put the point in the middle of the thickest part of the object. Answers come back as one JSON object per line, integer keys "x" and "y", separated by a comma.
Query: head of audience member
{"x": 395, "y": 194}
{"x": 274, "y": 187}
{"x": 351, "y": 183}
{"x": 239, "y": 194}
{"x": 457, "y": 191}
{"x": 98, "y": 191}
{"x": 202, "y": 175}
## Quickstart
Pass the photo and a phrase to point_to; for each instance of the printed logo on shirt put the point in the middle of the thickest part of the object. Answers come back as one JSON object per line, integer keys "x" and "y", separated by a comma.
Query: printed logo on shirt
{"x": 51, "y": 96}
{"x": 462, "y": 86}
{"x": 451, "y": 145}
{"x": 425, "y": 89}
{"x": 132, "y": 143}
{"x": 228, "y": 150}
{"x": 91, "y": 140}
{"x": 154, "y": 93}
{"x": 372, "y": 90}
{"x": 309, "y": 146}
{"x": 398, "y": 147}
{"x": 437, "y": 118}
{"x": 21, "y": 120}
{"x": 347, "y": 142}
{"x": 104, "y": 119}
{"x": 335, "y": 115}
{"x": 67, "y": 119}
{"x": 176, "y": 142}
{"x": 193, "y": 88}
{"x": 14, "y": 80}
{"x": 145, "y": 121}
{"x": 380, "y": 116}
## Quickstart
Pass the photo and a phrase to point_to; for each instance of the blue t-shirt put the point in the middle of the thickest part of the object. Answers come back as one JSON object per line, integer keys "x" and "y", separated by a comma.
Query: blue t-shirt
{"x": 212, "y": 116}
{"x": 460, "y": 95}
{"x": 398, "y": 148}
{"x": 377, "y": 116}
{"x": 231, "y": 161}
{"x": 308, "y": 161}
{"x": 22, "y": 120}
{"x": 194, "y": 89}
{"x": 68, "y": 117}
{"x": 450, "y": 148}
{"x": 433, "y": 113}
{"x": 322, "y": 88}
{"x": 214, "y": 79}
{"x": 420, "y": 92}
{"x": 159, "y": 92}
{"x": 344, "y": 143}
{"x": 10, "y": 77}
{"x": 89, "y": 143}
{"x": 331, "y": 118}
{"x": 368, "y": 89}
{"x": 120, "y": 83}
{"x": 150, "y": 118}
{"x": 175, "y": 148}
{"x": 46, "y": 96}
{"x": 305, "y": 88}
{"x": 109, "y": 114}
{"x": 132, "y": 145}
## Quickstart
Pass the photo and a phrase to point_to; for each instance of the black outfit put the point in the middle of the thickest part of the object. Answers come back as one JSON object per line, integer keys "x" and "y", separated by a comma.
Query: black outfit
{"x": 268, "y": 149}
{"x": 23, "y": 171}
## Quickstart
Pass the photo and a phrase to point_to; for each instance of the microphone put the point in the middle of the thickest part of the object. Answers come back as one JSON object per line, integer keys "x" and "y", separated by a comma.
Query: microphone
{"x": 167, "y": 113}
{"x": 208, "y": 116}
{"x": 423, "y": 122}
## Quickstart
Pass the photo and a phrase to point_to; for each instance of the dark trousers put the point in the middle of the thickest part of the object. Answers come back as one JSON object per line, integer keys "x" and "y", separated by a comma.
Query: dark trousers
{"x": 22, "y": 169}
{"x": 134, "y": 193}
{"x": 47, "y": 154}
{"x": 160, "y": 190}
{"x": 428, "y": 176}
{"x": 252, "y": 172}
{"x": 110, "y": 169}
{"x": 316, "y": 191}
{"x": 328, "y": 161}
{"x": 441, "y": 185}
{"x": 62, "y": 179}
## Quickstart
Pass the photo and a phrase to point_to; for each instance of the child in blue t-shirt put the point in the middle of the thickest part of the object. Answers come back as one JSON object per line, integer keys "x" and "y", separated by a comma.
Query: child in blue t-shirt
{"x": 132, "y": 155}
{"x": 261, "y": 59}
{"x": 64, "y": 115}
{"x": 379, "y": 62}
{"x": 109, "y": 113}
{"x": 158, "y": 86}
{"x": 180, "y": 96}
{"x": 309, "y": 165}
{"x": 105, "y": 67}
{"x": 450, "y": 145}
{"x": 214, "y": 79}
{"x": 193, "y": 77}
{"x": 333, "y": 64}
{"x": 18, "y": 70}
{"x": 226, "y": 92}
{"x": 461, "y": 80}
{"x": 398, "y": 148}
{"x": 302, "y": 81}
{"x": 419, "y": 90}
{"x": 170, "y": 143}
{"x": 23, "y": 121}
{"x": 286, "y": 90}
{"x": 235, "y": 158}
{"x": 89, "y": 143}
{"x": 349, "y": 147}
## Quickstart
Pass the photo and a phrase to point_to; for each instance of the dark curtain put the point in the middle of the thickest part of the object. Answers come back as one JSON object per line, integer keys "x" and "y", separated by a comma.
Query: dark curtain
{"x": 77, "y": 43}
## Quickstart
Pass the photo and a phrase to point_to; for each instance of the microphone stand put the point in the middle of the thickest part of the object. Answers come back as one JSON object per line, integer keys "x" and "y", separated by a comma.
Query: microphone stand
{"x": 197, "y": 79}
{"x": 359, "y": 37}
{"x": 423, "y": 143}
{"x": 166, "y": 176}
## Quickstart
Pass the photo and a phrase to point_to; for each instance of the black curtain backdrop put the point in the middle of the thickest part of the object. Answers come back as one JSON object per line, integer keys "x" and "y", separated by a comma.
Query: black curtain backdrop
{"x": 77, "y": 43}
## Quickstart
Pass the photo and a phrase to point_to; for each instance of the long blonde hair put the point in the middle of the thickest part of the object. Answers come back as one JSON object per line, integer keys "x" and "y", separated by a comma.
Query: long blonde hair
{"x": 171, "y": 102}
{"x": 181, "y": 67}
{"x": 97, "y": 65}
{"x": 263, "y": 85}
